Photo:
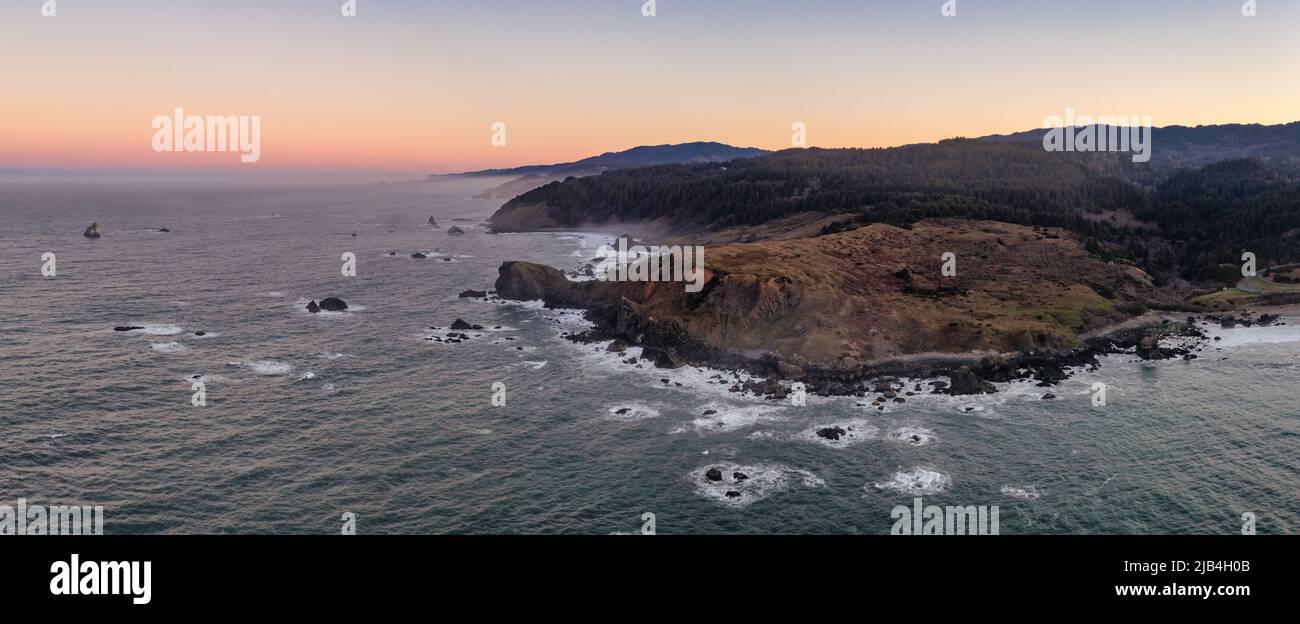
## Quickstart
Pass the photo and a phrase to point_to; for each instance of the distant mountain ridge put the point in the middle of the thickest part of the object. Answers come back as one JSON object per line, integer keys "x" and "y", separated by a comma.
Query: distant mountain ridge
{"x": 642, "y": 156}
{"x": 1196, "y": 146}
{"x": 1208, "y": 193}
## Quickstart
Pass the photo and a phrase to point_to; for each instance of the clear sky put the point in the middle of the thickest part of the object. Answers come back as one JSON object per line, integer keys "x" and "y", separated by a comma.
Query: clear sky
{"x": 413, "y": 86}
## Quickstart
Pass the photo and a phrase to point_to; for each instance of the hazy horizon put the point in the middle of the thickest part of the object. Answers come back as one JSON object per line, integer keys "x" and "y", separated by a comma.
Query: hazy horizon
{"x": 408, "y": 88}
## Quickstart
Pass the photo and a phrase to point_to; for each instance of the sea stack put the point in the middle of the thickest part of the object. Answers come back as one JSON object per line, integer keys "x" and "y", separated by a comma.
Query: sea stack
{"x": 92, "y": 231}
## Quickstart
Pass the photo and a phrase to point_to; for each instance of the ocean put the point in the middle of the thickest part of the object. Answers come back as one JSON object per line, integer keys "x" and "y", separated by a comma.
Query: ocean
{"x": 312, "y": 416}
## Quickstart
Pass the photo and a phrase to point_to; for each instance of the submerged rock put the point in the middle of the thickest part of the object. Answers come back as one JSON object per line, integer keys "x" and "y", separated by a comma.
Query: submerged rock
{"x": 418, "y": 256}
{"x": 473, "y": 294}
{"x": 453, "y": 230}
{"x": 333, "y": 304}
{"x": 126, "y": 328}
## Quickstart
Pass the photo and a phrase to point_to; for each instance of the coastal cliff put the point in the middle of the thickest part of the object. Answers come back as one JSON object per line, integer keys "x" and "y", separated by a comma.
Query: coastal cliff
{"x": 858, "y": 302}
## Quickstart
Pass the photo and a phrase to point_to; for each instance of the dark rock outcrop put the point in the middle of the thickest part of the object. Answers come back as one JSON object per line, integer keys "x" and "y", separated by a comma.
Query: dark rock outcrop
{"x": 473, "y": 294}
{"x": 333, "y": 304}
{"x": 313, "y": 307}
{"x": 453, "y": 230}
{"x": 92, "y": 231}
{"x": 126, "y": 328}
{"x": 462, "y": 325}
{"x": 663, "y": 357}
{"x": 831, "y": 433}
{"x": 418, "y": 256}
{"x": 713, "y": 474}
{"x": 1149, "y": 348}
{"x": 790, "y": 371}
{"x": 964, "y": 381}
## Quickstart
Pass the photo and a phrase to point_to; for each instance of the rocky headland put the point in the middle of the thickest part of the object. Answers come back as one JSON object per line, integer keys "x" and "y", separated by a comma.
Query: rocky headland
{"x": 844, "y": 311}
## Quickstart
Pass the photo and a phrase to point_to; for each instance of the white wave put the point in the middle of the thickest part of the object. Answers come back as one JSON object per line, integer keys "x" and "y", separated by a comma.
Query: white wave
{"x": 158, "y": 330}
{"x": 920, "y": 480}
{"x": 331, "y": 356}
{"x": 268, "y": 367}
{"x": 205, "y": 378}
{"x": 743, "y": 485}
{"x": 167, "y": 347}
{"x": 1023, "y": 492}
{"x": 633, "y": 411}
{"x": 855, "y": 431}
{"x": 729, "y": 418}
{"x": 535, "y": 365}
{"x": 915, "y": 436}
{"x": 1243, "y": 336}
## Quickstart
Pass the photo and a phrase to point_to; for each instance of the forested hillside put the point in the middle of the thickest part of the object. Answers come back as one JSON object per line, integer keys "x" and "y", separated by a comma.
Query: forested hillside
{"x": 1185, "y": 222}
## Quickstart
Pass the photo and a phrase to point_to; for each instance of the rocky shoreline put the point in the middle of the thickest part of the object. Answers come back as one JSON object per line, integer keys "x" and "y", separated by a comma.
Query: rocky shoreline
{"x": 667, "y": 345}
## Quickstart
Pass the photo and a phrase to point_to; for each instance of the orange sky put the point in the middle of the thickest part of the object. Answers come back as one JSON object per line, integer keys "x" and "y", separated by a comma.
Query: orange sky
{"x": 414, "y": 87}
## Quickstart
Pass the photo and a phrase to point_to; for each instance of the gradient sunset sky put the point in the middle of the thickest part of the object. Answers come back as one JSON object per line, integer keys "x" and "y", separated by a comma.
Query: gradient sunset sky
{"x": 410, "y": 87}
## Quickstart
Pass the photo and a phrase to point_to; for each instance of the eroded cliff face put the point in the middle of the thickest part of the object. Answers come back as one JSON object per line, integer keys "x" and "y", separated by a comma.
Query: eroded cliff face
{"x": 866, "y": 295}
